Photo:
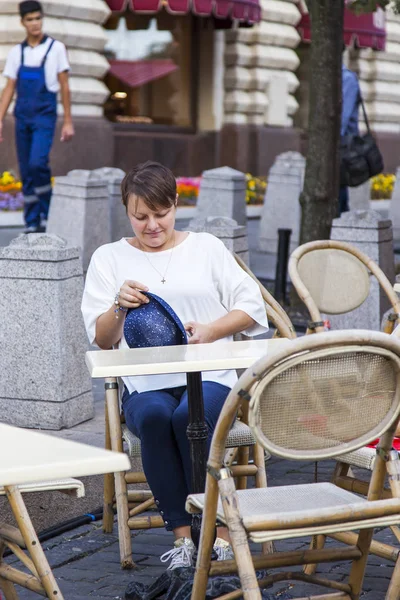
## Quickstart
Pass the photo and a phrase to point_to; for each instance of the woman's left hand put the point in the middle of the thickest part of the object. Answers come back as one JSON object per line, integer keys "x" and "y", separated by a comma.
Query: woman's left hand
{"x": 199, "y": 333}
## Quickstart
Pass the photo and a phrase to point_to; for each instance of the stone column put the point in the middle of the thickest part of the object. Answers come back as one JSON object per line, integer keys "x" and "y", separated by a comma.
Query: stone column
{"x": 368, "y": 232}
{"x": 119, "y": 223}
{"x": 223, "y": 194}
{"x": 234, "y": 236}
{"x": 80, "y": 213}
{"x": 44, "y": 381}
{"x": 360, "y": 196}
{"x": 394, "y": 212}
{"x": 281, "y": 208}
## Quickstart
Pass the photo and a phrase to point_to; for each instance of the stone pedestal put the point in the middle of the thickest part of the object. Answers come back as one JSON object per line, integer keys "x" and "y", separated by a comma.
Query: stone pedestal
{"x": 367, "y": 231}
{"x": 223, "y": 194}
{"x": 281, "y": 208}
{"x": 360, "y": 196}
{"x": 44, "y": 381}
{"x": 119, "y": 223}
{"x": 80, "y": 212}
{"x": 234, "y": 236}
{"x": 395, "y": 209}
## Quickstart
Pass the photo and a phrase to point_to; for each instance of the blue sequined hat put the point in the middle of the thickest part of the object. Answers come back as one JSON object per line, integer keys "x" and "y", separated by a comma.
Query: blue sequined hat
{"x": 153, "y": 324}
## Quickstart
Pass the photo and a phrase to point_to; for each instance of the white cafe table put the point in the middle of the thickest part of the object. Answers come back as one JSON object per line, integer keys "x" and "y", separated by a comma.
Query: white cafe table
{"x": 30, "y": 457}
{"x": 192, "y": 359}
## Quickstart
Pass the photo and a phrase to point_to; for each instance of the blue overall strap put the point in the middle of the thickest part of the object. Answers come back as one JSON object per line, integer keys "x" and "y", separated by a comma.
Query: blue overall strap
{"x": 48, "y": 50}
{"x": 23, "y": 45}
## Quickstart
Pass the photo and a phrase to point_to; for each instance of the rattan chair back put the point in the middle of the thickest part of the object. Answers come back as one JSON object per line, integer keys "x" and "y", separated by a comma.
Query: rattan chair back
{"x": 321, "y": 396}
{"x": 334, "y": 277}
{"x": 337, "y": 280}
{"x": 325, "y": 402}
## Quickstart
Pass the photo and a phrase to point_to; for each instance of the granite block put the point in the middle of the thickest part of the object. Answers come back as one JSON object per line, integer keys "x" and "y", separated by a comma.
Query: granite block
{"x": 360, "y": 196}
{"x": 394, "y": 212}
{"x": 281, "y": 209}
{"x": 234, "y": 236}
{"x": 42, "y": 357}
{"x": 223, "y": 193}
{"x": 80, "y": 212}
{"x": 371, "y": 234}
{"x": 119, "y": 222}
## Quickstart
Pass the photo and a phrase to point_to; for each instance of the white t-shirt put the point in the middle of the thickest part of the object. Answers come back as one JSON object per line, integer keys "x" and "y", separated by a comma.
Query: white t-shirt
{"x": 56, "y": 61}
{"x": 203, "y": 283}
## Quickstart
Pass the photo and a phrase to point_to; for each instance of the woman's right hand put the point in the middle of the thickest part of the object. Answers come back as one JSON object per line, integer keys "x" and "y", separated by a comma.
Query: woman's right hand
{"x": 130, "y": 295}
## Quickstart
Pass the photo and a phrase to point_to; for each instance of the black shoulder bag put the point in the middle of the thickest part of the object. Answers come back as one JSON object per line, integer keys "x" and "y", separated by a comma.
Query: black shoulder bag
{"x": 360, "y": 157}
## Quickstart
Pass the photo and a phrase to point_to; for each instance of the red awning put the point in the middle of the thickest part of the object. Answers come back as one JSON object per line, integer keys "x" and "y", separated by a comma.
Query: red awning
{"x": 139, "y": 72}
{"x": 362, "y": 31}
{"x": 239, "y": 10}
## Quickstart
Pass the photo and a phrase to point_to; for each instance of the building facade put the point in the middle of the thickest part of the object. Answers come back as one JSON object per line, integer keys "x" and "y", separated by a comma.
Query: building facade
{"x": 192, "y": 85}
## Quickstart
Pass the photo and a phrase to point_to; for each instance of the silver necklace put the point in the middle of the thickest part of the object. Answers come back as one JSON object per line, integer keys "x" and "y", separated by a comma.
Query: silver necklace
{"x": 162, "y": 275}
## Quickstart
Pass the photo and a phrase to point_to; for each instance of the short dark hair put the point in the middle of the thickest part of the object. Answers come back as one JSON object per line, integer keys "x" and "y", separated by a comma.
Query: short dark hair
{"x": 153, "y": 183}
{"x": 29, "y": 6}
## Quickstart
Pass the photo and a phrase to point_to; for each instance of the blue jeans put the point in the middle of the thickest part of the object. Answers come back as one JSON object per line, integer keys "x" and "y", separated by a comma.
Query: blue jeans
{"x": 160, "y": 419}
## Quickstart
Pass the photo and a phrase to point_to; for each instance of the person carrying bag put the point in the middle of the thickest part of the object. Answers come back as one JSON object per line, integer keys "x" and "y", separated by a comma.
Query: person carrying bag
{"x": 360, "y": 157}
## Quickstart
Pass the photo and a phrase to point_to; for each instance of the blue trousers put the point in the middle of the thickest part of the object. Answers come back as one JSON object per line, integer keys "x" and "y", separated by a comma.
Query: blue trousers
{"x": 160, "y": 419}
{"x": 34, "y": 139}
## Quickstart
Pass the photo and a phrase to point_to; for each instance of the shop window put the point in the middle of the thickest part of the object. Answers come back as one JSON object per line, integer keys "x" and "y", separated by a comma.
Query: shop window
{"x": 150, "y": 78}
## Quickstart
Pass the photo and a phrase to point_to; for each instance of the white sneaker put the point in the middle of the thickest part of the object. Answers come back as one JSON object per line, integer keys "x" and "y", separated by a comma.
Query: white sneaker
{"x": 181, "y": 555}
{"x": 223, "y": 549}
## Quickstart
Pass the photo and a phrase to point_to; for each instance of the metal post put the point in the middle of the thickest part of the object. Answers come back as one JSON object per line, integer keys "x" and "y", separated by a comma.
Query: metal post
{"x": 282, "y": 264}
{"x": 197, "y": 434}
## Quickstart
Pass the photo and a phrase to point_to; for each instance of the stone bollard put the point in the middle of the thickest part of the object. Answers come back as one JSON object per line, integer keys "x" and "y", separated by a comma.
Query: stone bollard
{"x": 119, "y": 223}
{"x": 223, "y": 194}
{"x": 360, "y": 196}
{"x": 369, "y": 233}
{"x": 394, "y": 213}
{"x": 281, "y": 209}
{"x": 234, "y": 236}
{"x": 44, "y": 381}
{"x": 80, "y": 213}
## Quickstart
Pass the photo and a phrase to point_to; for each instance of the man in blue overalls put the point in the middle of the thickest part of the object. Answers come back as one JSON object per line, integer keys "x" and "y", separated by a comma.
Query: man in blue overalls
{"x": 36, "y": 69}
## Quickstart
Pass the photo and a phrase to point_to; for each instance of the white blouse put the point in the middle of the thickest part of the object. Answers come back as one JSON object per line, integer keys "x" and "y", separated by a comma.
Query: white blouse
{"x": 203, "y": 283}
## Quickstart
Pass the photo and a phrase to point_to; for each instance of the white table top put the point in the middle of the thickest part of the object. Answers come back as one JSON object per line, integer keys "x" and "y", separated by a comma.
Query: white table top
{"x": 180, "y": 359}
{"x": 29, "y": 456}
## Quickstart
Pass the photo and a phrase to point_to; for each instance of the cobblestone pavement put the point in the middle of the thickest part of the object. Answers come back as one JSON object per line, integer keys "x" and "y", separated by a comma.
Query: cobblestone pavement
{"x": 86, "y": 561}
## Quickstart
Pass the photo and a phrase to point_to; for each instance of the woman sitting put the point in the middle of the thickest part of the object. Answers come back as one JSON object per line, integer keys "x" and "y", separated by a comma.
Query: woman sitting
{"x": 211, "y": 295}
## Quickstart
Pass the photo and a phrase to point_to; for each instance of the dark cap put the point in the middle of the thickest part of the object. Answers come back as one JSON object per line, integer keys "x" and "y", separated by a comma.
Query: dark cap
{"x": 29, "y": 6}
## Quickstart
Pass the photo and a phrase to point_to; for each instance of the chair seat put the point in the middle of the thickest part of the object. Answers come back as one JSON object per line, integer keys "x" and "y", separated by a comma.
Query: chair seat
{"x": 69, "y": 486}
{"x": 239, "y": 435}
{"x": 291, "y": 504}
{"x": 363, "y": 458}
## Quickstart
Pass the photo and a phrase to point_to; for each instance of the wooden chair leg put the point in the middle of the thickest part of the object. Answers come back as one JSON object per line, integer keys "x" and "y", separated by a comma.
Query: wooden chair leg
{"x": 247, "y": 574}
{"x": 32, "y": 543}
{"x": 317, "y": 543}
{"x": 261, "y": 482}
{"x": 109, "y": 486}
{"x": 121, "y": 494}
{"x": 206, "y": 540}
{"x": 8, "y": 589}
{"x": 393, "y": 592}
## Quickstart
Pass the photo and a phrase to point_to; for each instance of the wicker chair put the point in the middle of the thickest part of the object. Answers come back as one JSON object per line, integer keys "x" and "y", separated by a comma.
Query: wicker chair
{"x": 343, "y": 285}
{"x": 23, "y": 542}
{"x": 333, "y": 277}
{"x": 132, "y": 503}
{"x": 315, "y": 400}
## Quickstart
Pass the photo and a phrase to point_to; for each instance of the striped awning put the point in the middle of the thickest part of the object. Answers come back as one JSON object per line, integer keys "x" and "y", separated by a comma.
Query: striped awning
{"x": 248, "y": 11}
